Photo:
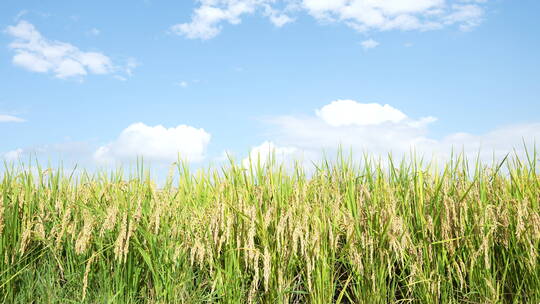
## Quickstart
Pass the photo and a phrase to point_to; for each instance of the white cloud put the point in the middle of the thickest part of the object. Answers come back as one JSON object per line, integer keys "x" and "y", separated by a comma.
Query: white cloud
{"x": 183, "y": 84}
{"x": 277, "y": 17}
{"x": 362, "y": 15}
{"x": 366, "y": 15}
{"x": 467, "y": 16}
{"x": 131, "y": 64}
{"x": 378, "y": 130}
{"x": 68, "y": 152}
{"x": 349, "y": 112}
{"x": 207, "y": 18}
{"x": 12, "y": 156}
{"x": 265, "y": 151}
{"x": 369, "y": 44}
{"x": 69, "y": 68}
{"x": 31, "y": 62}
{"x": 280, "y": 19}
{"x": 10, "y": 118}
{"x": 20, "y": 14}
{"x": 94, "y": 32}
{"x": 156, "y": 143}
{"x": 38, "y": 54}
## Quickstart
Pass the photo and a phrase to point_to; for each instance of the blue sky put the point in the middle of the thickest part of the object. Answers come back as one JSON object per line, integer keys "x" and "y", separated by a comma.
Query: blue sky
{"x": 100, "y": 82}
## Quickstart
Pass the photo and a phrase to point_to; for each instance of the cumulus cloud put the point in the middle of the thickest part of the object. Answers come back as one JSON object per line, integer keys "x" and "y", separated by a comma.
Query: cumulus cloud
{"x": 277, "y": 17}
{"x": 207, "y": 19}
{"x": 38, "y": 54}
{"x": 155, "y": 143}
{"x": 362, "y": 15}
{"x": 369, "y": 44}
{"x": 264, "y": 152}
{"x": 349, "y": 112}
{"x": 380, "y": 129}
{"x": 10, "y": 118}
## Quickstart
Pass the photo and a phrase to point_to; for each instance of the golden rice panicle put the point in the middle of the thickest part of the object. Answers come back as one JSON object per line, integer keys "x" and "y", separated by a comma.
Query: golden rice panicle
{"x": 534, "y": 222}
{"x": 198, "y": 252}
{"x": 254, "y": 287}
{"x": 158, "y": 206}
{"x": 85, "y": 235}
{"x": 110, "y": 218}
{"x": 86, "y": 274}
{"x": 355, "y": 259}
{"x": 267, "y": 267}
{"x": 1, "y": 213}
{"x": 25, "y": 236}
{"x": 39, "y": 228}
{"x": 63, "y": 225}
{"x": 121, "y": 239}
{"x": 249, "y": 241}
{"x": 130, "y": 228}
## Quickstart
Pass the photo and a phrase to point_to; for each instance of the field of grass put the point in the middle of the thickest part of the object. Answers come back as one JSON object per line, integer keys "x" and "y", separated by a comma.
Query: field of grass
{"x": 347, "y": 233}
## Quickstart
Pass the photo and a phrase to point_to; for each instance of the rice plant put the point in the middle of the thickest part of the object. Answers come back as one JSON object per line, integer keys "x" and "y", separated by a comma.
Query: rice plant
{"x": 367, "y": 232}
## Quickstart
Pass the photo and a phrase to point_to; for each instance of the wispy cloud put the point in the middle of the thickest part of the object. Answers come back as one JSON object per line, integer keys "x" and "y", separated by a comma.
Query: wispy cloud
{"x": 380, "y": 129}
{"x": 183, "y": 84}
{"x": 73, "y": 152}
{"x": 209, "y": 17}
{"x": 20, "y": 14}
{"x": 38, "y": 54}
{"x": 13, "y": 155}
{"x": 94, "y": 32}
{"x": 10, "y": 118}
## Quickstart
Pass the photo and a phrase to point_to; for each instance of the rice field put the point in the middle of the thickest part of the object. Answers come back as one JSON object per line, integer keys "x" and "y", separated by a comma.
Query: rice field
{"x": 366, "y": 232}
